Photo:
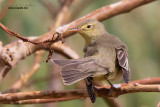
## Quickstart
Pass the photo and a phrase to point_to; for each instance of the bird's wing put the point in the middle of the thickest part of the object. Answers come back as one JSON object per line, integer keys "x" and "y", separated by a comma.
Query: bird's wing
{"x": 75, "y": 70}
{"x": 122, "y": 57}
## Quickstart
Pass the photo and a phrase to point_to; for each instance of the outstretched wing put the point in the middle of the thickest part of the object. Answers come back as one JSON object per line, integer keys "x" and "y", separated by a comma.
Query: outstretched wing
{"x": 123, "y": 62}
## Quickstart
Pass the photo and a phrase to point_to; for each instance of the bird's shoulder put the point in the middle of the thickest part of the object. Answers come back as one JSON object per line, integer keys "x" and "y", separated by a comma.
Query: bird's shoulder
{"x": 108, "y": 40}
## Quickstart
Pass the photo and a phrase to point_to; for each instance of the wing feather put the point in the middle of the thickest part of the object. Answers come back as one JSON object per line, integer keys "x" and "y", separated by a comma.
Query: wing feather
{"x": 122, "y": 57}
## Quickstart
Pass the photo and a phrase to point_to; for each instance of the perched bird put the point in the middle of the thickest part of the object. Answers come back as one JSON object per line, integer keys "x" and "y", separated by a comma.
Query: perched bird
{"x": 105, "y": 58}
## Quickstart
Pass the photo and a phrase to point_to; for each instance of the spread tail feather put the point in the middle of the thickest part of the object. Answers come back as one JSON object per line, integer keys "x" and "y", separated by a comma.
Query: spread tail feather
{"x": 73, "y": 71}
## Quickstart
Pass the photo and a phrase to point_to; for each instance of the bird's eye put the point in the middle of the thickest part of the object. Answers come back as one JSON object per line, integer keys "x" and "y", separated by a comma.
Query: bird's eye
{"x": 89, "y": 26}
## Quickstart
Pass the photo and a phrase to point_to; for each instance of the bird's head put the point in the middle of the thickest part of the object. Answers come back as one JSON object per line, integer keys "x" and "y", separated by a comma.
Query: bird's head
{"x": 90, "y": 29}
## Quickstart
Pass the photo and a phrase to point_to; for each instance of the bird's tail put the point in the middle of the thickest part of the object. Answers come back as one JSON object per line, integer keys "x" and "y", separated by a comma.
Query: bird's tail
{"x": 90, "y": 89}
{"x": 75, "y": 70}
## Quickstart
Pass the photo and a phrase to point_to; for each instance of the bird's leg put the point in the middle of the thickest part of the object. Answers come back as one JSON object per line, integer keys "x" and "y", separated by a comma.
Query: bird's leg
{"x": 112, "y": 87}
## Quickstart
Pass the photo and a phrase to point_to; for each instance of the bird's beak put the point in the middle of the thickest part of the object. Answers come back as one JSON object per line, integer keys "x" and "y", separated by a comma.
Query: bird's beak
{"x": 75, "y": 30}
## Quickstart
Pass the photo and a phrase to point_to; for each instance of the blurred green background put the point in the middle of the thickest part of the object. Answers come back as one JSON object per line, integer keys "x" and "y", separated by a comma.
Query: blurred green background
{"x": 139, "y": 29}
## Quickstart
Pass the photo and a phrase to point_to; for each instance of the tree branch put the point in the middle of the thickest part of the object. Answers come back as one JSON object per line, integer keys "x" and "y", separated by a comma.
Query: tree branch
{"x": 40, "y": 101}
{"x": 79, "y": 93}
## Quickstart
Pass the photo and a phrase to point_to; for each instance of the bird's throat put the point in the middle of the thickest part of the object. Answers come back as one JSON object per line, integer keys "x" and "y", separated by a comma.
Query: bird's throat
{"x": 89, "y": 39}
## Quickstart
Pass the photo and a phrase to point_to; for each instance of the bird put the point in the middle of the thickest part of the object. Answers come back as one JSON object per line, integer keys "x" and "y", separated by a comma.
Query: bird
{"x": 105, "y": 58}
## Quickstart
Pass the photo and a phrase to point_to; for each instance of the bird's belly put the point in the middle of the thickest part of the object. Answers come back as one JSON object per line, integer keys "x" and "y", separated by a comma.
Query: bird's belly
{"x": 100, "y": 72}
{"x": 99, "y": 77}
{"x": 115, "y": 76}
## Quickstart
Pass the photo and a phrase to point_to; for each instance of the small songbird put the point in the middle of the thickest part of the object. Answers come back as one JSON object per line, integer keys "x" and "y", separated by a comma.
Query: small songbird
{"x": 105, "y": 58}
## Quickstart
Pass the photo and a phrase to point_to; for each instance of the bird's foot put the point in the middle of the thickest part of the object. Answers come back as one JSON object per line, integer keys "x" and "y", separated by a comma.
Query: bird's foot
{"x": 110, "y": 90}
{"x": 112, "y": 87}
{"x": 95, "y": 88}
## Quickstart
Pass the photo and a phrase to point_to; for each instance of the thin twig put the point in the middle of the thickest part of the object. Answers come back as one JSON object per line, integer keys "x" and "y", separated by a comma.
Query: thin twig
{"x": 60, "y": 19}
{"x": 25, "y": 39}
